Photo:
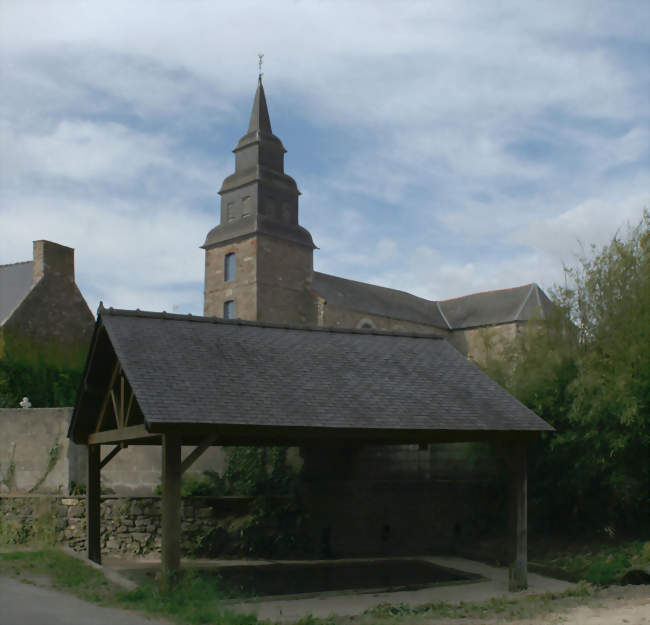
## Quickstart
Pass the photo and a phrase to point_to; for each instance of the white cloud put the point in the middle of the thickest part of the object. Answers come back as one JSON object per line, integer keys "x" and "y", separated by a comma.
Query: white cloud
{"x": 593, "y": 222}
{"x": 470, "y": 145}
{"x": 85, "y": 151}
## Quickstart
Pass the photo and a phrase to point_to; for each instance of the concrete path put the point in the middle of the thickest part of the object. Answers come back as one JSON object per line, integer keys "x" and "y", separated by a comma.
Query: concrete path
{"x": 25, "y": 604}
{"x": 352, "y": 603}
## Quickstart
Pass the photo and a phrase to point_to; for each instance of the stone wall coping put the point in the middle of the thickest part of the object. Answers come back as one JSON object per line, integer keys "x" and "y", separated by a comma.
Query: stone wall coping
{"x": 131, "y": 497}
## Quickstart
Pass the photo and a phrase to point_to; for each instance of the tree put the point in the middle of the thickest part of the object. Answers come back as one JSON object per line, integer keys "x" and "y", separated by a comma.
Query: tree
{"x": 587, "y": 372}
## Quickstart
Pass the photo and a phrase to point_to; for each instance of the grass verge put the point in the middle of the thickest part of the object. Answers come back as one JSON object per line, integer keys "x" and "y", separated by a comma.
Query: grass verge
{"x": 600, "y": 563}
{"x": 195, "y": 601}
{"x": 198, "y": 599}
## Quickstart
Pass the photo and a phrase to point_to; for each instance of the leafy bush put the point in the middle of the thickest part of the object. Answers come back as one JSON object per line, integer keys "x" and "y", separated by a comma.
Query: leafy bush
{"x": 46, "y": 385}
{"x": 587, "y": 372}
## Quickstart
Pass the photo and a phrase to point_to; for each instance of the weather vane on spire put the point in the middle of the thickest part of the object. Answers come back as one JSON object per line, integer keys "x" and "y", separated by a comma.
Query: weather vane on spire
{"x": 259, "y": 65}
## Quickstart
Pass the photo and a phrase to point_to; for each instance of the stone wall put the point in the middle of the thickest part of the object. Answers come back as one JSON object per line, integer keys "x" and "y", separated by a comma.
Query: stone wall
{"x": 335, "y": 519}
{"x": 53, "y": 322}
{"x": 284, "y": 269}
{"x": 36, "y": 456}
{"x": 243, "y": 289}
{"x": 129, "y": 525}
{"x": 337, "y": 317}
{"x": 363, "y": 519}
{"x": 482, "y": 344}
{"x": 35, "y": 453}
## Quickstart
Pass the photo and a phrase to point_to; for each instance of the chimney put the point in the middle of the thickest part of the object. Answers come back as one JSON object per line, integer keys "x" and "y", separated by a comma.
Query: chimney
{"x": 52, "y": 259}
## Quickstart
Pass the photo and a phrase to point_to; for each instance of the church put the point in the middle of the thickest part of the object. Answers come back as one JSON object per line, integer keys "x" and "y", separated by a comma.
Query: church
{"x": 259, "y": 265}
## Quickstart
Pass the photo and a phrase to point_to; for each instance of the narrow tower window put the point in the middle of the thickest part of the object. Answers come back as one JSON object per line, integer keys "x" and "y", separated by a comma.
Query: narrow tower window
{"x": 229, "y": 309}
{"x": 246, "y": 206}
{"x": 229, "y": 267}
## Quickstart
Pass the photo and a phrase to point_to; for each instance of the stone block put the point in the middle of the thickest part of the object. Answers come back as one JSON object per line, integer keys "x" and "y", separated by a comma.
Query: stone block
{"x": 204, "y": 513}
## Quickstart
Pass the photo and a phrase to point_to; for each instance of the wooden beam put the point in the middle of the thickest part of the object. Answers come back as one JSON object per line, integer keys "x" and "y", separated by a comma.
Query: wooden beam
{"x": 117, "y": 436}
{"x": 93, "y": 503}
{"x": 518, "y": 530}
{"x": 102, "y": 410}
{"x": 198, "y": 451}
{"x": 171, "y": 508}
{"x": 122, "y": 424}
{"x": 118, "y": 420}
{"x": 128, "y": 410}
{"x": 110, "y": 456}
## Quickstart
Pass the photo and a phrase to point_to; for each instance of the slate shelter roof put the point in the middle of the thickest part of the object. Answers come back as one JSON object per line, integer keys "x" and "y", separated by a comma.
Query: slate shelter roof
{"x": 479, "y": 309}
{"x": 188, "y": 371}
{"x": 15, "y": 283}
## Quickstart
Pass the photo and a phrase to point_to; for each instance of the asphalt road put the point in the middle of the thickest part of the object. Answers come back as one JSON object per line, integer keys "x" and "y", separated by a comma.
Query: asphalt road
{"x": 26, "y": 604}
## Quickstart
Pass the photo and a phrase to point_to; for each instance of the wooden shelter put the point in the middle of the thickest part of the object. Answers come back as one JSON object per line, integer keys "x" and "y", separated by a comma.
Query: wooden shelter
{"x": 172, "y": 380}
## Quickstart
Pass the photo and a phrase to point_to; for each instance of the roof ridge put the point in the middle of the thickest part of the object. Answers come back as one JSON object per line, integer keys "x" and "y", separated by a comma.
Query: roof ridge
{"x": 442, "y": 314}
{"x": 523, "y": 304}
{"x": 120, "y": 312}
{"x": 20, "y": 262}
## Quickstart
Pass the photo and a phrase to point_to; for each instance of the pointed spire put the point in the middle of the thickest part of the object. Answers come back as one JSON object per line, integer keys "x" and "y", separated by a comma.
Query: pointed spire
{"x": 260, "y": 120}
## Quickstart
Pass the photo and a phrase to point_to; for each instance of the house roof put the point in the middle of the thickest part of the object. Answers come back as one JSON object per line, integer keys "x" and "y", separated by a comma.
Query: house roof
{"x": 521, "y": 303}
{"x": 203, "y": 371}
{"x": 15, "y": 283}
{"x": 479, "y": 309}
{"x": 377, "y": 300}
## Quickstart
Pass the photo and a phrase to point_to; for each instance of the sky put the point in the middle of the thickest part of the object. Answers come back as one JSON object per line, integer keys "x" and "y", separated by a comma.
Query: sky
{"x": 441, "y": 148}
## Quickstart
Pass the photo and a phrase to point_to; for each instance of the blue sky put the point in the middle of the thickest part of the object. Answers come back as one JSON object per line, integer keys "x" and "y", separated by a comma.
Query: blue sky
{"x": 440, "y": 148}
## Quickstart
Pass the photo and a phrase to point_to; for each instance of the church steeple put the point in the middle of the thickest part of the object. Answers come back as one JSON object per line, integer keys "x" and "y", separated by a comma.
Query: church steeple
{"x": 259, "y": 259}
{"x": 260, "y": 114}
{"x": 259, "y": 196}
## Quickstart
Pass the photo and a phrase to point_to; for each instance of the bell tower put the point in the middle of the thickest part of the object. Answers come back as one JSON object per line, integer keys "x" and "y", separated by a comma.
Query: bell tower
{"x": 259, "y": 260}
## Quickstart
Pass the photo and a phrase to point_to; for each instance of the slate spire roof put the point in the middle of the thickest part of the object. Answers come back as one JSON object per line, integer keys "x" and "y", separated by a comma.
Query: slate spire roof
{"x": 260, "y": 120}
{"x": 259, "y": 179}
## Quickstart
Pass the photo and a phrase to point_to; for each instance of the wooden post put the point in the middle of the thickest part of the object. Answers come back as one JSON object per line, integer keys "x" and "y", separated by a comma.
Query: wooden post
{"x": 171, "y": 508}
{"x": 518, "y": 531}
{"x": 93, "y": 513}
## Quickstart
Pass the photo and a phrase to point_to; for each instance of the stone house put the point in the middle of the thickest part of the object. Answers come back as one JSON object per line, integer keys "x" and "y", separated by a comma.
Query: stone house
{"x": 43, "y": 314}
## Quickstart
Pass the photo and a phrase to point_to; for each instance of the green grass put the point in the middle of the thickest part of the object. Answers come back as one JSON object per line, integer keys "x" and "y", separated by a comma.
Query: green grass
{"x": 195, "y": 601}
{"x": 597, "y": 563}
{"x": 65, "y": 572}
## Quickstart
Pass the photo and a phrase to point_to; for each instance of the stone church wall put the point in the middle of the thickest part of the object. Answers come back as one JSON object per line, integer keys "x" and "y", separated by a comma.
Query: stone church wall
{"x": 284, "y": 269}
{"x": 337, "y": 317}
{"x": 481, "y": 344}
{"x": 243, "y": 289}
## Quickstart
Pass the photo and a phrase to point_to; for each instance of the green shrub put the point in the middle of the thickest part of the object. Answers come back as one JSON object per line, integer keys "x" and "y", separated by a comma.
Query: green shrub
{"x": 586, "y": 370}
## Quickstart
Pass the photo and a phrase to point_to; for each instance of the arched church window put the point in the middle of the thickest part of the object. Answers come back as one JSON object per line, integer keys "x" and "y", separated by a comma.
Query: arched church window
{"x": 230, "y": 211}
{"x": 229, "y": 309}
{"x": 229, "y": 267}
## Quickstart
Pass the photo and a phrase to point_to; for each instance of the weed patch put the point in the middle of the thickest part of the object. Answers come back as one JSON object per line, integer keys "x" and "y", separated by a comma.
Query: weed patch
{"x": 600, "y": 563}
